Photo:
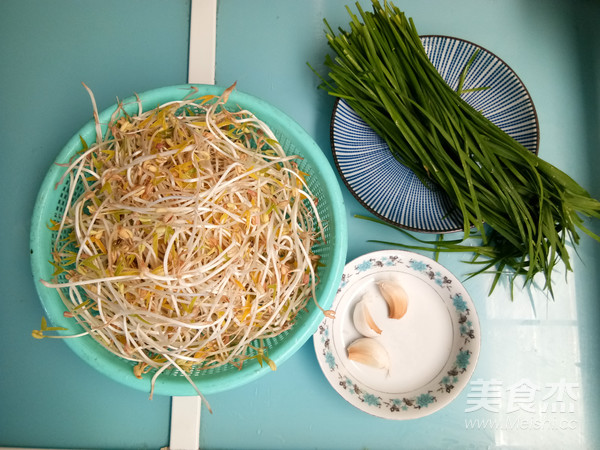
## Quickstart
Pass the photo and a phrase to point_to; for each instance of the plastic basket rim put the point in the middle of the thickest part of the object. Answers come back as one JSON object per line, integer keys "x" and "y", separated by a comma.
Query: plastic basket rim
{"x": 118, "y": 369}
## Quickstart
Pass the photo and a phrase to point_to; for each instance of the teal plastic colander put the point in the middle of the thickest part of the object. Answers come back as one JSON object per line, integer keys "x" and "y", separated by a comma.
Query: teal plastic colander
{"x": 322, "y": 181}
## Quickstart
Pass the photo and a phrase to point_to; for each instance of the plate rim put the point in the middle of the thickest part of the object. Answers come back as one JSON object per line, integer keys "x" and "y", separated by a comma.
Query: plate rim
{"x": 326, "y": 326}
{"x": 380, "y": 215}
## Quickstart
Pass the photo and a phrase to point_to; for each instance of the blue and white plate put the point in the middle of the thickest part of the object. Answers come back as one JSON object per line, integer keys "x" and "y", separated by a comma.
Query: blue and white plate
{"x": 433, "y": 349}
{"x": 389, "y": 189}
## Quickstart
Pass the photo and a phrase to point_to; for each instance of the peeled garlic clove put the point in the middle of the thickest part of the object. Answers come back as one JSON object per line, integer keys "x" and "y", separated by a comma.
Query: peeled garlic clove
{"x": 370, "y": 352}
{"x": 396, "y": 298}
{"x": 363, "y": 321}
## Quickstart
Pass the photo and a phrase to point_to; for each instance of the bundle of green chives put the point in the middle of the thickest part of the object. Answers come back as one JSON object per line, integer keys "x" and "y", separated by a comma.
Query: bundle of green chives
{"x": 525, "y": 210}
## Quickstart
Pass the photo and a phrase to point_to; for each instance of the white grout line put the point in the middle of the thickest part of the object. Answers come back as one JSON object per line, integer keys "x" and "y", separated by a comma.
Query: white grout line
{"x": 185, "y": 423}
{"x": 185, "y": 411}
{"x": 203, "y": 37}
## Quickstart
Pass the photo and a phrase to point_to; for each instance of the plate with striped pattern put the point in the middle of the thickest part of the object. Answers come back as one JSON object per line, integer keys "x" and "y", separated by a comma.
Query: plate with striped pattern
{"x": 391, "y": 191}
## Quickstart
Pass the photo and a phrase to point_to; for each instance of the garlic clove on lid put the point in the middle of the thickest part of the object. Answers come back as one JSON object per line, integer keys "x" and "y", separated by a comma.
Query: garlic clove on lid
{"x": 370, "y": 352}
{"x": 363, "y": 320}
{"x": 396, "y": 298}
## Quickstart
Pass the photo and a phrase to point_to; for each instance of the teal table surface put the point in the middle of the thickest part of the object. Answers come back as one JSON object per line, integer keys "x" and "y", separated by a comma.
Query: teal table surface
{"x": 548, "y": 349}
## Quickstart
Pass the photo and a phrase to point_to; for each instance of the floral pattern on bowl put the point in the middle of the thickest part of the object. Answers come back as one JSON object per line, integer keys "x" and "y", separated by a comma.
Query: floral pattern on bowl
{"x": 433, "y": 394}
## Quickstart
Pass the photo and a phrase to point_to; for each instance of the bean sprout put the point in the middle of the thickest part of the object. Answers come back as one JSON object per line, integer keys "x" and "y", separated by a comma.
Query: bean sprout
{"x": 191, "y": 240}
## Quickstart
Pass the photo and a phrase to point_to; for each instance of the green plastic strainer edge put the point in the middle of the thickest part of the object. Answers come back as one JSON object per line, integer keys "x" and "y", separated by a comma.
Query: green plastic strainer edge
{"x": 119, "y": 369}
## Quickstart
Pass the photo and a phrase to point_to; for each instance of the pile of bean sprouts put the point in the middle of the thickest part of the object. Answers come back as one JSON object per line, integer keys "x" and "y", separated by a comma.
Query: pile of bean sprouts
{"x": 191, "y": 239}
